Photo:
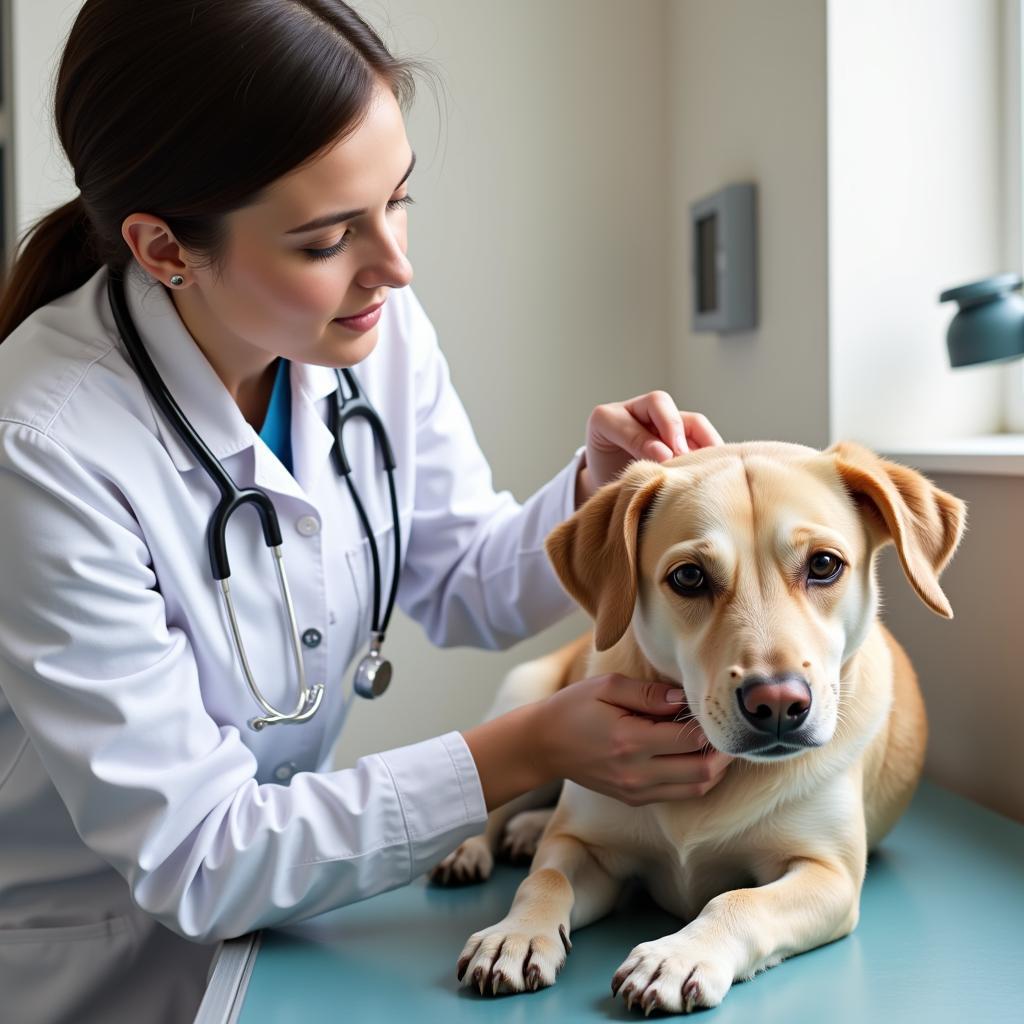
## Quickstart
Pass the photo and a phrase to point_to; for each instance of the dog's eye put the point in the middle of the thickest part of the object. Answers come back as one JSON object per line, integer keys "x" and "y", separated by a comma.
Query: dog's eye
{"x": 687, "y": 579}
{"x": 824, "y": 568}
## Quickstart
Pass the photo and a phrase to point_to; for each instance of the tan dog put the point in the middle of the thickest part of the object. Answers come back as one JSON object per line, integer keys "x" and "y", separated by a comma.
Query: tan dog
{"x": 746, "y": 574}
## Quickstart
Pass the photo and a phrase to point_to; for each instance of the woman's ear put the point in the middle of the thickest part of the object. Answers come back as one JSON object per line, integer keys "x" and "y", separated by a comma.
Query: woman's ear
{"x": 154, "y": 246}
{"x": 595, "y": 551}
{"x": 901, "y": 505}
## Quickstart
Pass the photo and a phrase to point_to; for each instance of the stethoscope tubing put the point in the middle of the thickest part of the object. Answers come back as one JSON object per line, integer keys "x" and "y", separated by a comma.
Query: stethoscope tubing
{"x": 340, "y": 411}
{"x": 344, "y": 408}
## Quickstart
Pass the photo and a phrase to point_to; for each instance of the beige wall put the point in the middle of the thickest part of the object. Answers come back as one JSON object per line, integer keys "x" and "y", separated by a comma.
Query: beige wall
{"x": 748, "y": 103}
{"x": 971, "y": 669}
{"x": 42, "y": 176}
{"x": 539, "y": 234}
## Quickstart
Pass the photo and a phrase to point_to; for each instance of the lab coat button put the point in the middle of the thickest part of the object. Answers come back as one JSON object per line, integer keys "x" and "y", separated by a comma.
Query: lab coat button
{"x": 308, "y": 526}
{"x": 284, "y": 772}
{"x": 312, "y": 637}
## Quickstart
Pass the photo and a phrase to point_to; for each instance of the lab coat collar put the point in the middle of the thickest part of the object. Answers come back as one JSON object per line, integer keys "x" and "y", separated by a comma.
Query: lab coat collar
{"x": 205, "y": 401}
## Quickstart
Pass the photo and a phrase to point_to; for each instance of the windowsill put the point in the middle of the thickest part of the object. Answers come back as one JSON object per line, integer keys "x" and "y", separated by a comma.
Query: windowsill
{"x": 986, "y": 455}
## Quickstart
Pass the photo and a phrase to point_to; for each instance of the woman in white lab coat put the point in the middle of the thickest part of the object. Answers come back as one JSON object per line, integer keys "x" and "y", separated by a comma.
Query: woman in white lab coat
{"x": 245, "y": 165}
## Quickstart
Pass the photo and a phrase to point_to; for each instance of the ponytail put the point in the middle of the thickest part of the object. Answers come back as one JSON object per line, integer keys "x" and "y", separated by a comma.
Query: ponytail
{"x": 56, "y": 256}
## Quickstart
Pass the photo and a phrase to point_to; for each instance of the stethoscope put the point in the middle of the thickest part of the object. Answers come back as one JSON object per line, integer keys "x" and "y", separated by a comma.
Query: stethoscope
{"x": 373, "y": 674}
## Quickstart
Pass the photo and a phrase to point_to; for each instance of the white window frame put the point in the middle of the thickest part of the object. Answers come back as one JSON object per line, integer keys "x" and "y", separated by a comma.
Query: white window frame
{"x": 1013, "y": 398}
{"x": 1012, "y": 418}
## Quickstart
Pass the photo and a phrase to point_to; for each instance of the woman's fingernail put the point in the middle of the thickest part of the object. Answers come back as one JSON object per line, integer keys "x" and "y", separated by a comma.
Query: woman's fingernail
{"x": 681, "y": 445}
{"x": 675, "y": 697}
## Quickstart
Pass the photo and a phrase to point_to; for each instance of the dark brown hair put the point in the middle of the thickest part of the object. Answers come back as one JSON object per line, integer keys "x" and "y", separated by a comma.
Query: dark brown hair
{"x": 188, "y": 110}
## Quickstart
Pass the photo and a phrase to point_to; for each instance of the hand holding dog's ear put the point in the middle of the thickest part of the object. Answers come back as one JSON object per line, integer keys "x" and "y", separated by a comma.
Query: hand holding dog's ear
{"x": 649, "y": 426}
{"x": 899, "y": 504}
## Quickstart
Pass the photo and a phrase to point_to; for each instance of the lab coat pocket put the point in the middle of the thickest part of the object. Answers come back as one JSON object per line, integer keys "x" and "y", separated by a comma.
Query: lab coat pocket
{"x": 360, "y": 565}
{"x": 52, "y": 974}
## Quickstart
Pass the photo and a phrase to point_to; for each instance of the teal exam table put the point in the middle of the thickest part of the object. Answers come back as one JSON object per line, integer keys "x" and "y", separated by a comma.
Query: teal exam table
{"x": 941, "y": 938}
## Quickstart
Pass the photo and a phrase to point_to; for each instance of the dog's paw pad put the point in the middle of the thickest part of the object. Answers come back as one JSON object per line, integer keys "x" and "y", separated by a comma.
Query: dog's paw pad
{"x": 471, "y": 862}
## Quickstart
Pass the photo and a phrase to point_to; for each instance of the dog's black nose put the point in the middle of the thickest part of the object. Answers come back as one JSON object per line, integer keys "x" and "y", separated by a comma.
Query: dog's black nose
{"x": 775, "y": 705}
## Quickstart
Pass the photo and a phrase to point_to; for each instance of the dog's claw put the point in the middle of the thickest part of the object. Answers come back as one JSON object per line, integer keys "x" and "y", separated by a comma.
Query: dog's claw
{"x": 649, "y": 1001}
{"x": 565, "y": 938}
{"x": 629, "y": 994}
{"x": 691, "y": 993}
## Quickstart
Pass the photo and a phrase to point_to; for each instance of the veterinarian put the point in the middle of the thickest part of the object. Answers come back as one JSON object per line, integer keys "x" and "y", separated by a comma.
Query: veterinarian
{"x": 211, "y": 355}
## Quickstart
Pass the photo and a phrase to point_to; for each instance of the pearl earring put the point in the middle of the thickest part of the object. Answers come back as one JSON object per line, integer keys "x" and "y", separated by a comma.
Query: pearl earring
{"x": 177, "y": 280}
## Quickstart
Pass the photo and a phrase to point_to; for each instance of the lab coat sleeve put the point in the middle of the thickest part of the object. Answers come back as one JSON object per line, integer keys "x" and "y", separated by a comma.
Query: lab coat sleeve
{"x": 109, "y": 696}
{"x": 476, "y": 572}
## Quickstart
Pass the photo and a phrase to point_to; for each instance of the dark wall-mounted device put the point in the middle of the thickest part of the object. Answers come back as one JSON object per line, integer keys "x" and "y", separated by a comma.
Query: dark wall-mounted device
{"x": 723, "y": 257}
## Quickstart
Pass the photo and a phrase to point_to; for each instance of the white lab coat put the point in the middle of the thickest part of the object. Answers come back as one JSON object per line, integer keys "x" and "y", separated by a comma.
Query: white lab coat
{"x": 137, "y": 809}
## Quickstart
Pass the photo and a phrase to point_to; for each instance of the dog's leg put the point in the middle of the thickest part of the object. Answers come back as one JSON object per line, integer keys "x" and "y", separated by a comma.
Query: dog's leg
{"x": 566, "y": 888}
{"x": 473, "y": 859}
{"x": 740, "y": 933}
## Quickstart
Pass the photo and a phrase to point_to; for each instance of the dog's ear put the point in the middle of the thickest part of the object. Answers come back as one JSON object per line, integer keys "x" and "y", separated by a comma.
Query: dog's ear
{"x": 595, "y": 551}
{"x": 903, "y": 506}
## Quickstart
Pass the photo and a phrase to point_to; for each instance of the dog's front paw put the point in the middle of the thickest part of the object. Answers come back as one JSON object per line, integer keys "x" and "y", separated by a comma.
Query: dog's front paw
{"x": 522, "y": 834}
{"x": 673, "y": 974}
{"x": 470, "y": 862}
{"x": 513, "y": 956}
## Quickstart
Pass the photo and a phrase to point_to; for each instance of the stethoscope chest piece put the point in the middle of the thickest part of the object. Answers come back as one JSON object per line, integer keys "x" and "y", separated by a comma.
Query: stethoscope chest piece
{"x": 373, "y": 674}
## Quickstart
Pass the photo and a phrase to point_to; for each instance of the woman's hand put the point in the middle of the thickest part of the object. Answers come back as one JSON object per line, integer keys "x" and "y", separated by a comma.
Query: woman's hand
{"x": 627, "y": 738}
{"x": 647, "y": 427}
